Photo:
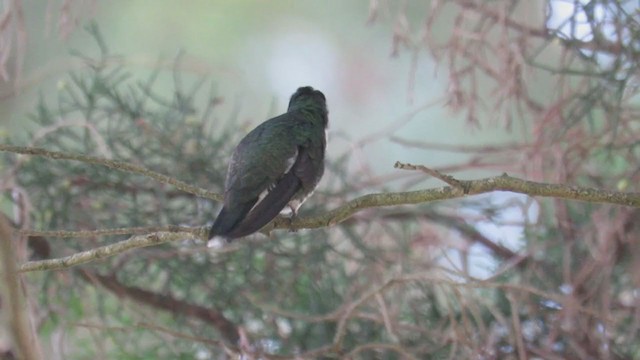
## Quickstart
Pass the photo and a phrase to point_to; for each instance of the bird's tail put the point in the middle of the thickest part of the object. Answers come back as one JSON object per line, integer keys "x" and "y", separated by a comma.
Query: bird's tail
{"x": 228, "y": 219}
{"x": 269, "y": 207}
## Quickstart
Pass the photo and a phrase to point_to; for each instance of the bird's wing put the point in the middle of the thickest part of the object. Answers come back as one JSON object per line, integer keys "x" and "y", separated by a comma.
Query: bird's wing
{"x": 278, "y": 196}
{"x": 256, "y": 163}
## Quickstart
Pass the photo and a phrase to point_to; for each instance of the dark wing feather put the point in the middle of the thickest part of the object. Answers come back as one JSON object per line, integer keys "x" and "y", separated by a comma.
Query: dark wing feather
{"x": 260, "y": 159}
{"x": 308, "y": 170}
{"x": 229, "y": 218}
{"x": 269, "y": 207}
{"x": 278, "y": 197}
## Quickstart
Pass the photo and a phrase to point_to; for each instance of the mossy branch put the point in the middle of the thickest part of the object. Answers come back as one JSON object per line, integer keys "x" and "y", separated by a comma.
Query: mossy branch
{"x": 457, "y": 189}
{"x": 102, "y": 252}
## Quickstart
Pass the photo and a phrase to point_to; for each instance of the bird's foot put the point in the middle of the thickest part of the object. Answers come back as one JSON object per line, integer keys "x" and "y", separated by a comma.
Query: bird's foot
{"x": 294, "y": 215}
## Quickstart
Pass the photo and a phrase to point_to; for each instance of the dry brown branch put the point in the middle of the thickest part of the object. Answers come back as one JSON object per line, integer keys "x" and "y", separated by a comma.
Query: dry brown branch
{"x": 24, "y": 336}
{"x": 450, "y": 180}
{"x": 517, "y": 327}
{"x": 348, "y": 311}
{"x": 227, "y": 329}
{"x": 12, "y": 34}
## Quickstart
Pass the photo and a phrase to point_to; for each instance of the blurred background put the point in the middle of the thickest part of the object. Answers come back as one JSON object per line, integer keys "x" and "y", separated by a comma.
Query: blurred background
{"x": 545, "y": 90}
{"x": 257, "y": 53}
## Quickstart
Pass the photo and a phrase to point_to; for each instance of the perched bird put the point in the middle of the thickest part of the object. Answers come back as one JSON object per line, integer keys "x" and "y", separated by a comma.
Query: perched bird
{"x": 278, "y": 163}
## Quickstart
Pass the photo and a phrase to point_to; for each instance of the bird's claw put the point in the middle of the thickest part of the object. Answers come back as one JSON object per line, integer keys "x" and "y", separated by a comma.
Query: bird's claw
{"x": 292, "y": 218}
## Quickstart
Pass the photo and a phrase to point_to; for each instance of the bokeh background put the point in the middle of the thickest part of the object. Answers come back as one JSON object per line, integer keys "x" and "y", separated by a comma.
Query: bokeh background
{"x": 257, "y": 53}
{"x": 545, "y": 90}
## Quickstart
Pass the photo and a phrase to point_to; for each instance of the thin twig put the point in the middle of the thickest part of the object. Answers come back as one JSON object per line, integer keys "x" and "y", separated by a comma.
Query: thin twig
{"x": 517, "y": 326}
{"x": 435, "y": 173}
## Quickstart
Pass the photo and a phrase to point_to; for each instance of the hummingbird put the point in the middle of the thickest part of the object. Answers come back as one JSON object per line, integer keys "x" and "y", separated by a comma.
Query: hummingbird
{"x": 277, "y": 164}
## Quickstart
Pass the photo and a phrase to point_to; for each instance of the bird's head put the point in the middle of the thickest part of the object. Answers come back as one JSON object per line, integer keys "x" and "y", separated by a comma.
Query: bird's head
{"x": 308, "y": 97}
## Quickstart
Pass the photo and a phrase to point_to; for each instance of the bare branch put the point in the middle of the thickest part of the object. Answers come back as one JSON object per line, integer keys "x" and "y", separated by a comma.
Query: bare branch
{"x": 168, "y": 303}
{"x": 112, "y": 164}
{"x": 106, "y": 232}
{"x": 23, "y": 333}
{"x": 468, "y": 187}
{"x": 435, "y": 173}
{"x": 102, "y": 252}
